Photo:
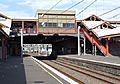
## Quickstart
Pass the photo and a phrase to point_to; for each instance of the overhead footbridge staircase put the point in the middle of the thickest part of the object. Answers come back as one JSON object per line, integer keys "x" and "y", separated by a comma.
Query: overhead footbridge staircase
{"x": 95, "y": 29}
{"x": 94, "y": 40}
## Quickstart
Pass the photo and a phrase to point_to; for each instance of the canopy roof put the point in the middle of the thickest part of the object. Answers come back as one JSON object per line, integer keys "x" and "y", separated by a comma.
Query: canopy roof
{"x": 92, "y": 24}
{"x": 104, "y": 33}
{"x": 101, "y": 28}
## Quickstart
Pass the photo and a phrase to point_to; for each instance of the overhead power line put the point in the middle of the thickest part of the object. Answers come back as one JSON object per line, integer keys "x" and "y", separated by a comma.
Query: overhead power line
{"x": 109, "y": 11}
{"x": 73, "y": 6}
{"x": 87, "y": 7}
{"x": 114, "y": 16}
{"x": 53, "y": 6}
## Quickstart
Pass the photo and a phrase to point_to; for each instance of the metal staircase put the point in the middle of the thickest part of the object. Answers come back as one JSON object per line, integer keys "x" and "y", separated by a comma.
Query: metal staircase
{"x": 95, "y": 41}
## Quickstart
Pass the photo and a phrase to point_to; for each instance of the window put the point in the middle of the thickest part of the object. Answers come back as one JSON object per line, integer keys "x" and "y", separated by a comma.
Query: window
{"x": 54, "y": 24}
{"x": 60, "y": 24}
{"x": 68, "y": 25}
{"x": 72, "y": 25}
{"x": 65, "y": 25}
{"x": 39, "y": 24}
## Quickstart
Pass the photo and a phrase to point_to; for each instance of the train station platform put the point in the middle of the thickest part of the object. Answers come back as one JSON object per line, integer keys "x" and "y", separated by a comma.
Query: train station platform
{"x": 25, "y": 70}
{"x": 112, "y": 60}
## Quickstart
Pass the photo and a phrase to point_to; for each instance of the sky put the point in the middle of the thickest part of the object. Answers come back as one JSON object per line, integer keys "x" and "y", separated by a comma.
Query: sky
{"x": 28, "y": 8}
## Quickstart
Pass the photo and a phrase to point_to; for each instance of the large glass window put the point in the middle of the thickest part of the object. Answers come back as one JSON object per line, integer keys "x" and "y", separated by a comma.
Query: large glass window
{"x": 62, "y": 25}
{"x": 54, "y": 24}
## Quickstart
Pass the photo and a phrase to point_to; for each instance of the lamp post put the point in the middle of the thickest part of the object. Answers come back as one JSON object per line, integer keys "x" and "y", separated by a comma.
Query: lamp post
{"x": 21, "y": 43}
{"x": 79, "y": 41}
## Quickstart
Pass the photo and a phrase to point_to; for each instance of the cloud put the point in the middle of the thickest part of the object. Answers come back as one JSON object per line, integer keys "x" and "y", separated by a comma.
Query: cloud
{"x": 99, "y": 7}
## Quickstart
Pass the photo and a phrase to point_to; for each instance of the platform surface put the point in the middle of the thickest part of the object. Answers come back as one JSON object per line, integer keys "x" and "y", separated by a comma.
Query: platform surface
{"x": 17, "y": 70}
{"x": 114, "y": 60}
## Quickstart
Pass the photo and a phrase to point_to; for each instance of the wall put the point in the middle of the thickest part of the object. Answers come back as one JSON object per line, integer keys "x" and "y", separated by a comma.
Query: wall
{"x": 0, "y": 53}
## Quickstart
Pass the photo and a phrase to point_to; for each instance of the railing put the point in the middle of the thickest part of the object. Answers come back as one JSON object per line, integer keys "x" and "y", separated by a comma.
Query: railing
{"x": 46, "y": 30}
{"x": 25, "y": 30}
{"x": 29, "y": 30}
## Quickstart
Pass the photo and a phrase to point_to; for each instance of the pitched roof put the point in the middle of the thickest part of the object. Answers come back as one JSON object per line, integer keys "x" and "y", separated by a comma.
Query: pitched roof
{"x": 92, "y": 24}
{"x": 4, "y": 16}
{"x": 93, "y": 18}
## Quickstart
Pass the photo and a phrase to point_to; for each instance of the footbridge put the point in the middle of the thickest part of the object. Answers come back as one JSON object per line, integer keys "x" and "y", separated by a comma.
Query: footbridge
{"x": 96, "y": 34}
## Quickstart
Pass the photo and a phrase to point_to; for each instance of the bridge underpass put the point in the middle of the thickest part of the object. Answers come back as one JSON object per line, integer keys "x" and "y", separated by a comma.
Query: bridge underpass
{"x": 61, "y": 44}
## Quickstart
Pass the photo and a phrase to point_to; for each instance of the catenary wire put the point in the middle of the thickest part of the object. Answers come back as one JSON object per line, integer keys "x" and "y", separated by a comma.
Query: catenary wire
{"x": 72, "y": 6}
{"x": 86, "y": 7}
{"x": 109, "y": 11}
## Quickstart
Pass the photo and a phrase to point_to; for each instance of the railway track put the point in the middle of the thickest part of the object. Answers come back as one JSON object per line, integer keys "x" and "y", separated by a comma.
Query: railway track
{"x": 114, "y": 70}
{"x": 70, "y": 76}
{"x": 92, "y": 76}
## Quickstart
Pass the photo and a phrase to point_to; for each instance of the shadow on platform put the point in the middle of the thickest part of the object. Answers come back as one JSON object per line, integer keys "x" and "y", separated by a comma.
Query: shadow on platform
{"x": 45, "y": 58}
{"x": 12, "y": 71}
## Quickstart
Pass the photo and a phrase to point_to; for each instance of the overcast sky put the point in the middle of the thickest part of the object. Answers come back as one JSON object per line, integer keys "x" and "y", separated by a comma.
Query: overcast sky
{"x": 28, "y": 8}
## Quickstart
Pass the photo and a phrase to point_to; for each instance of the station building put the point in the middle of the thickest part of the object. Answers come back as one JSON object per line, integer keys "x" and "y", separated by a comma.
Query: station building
{"x": 50, "y": 21}
{"x": 59, "y": 27}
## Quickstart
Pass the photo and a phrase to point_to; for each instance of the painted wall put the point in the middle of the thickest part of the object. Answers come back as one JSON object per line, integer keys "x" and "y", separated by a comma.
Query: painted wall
{"x": 0, "y": 53}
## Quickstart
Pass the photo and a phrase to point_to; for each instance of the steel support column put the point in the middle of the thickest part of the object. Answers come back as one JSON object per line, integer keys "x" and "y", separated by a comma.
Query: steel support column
{"x": 79, "y": 41}
{"x": 22, "y": 38}
{"x": 21, "y": 43}
{"x": 22, "y": 26}
{"x": 107, "y": 47}
{"x": 95, "y": 50}
{"x": 36, "y": 26}
{"x": 84, "y": 45}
